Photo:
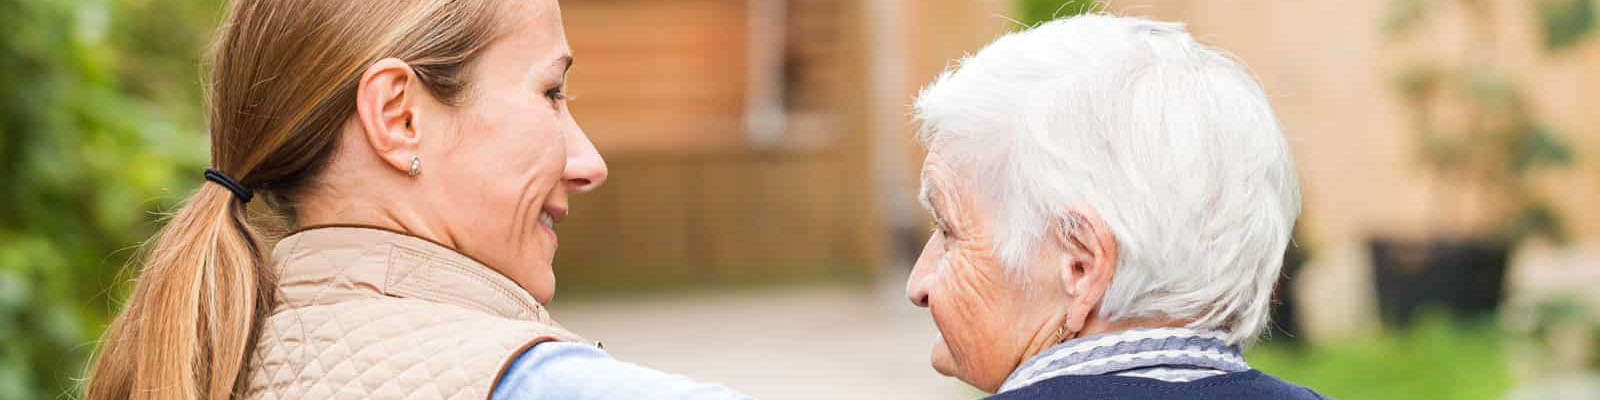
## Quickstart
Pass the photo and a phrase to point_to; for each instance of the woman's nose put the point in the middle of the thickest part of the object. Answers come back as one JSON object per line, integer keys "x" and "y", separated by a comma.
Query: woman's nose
{"x": 917, "y": 294}
{"x": 921, "y": 278}
{"x": 586, "y": 170}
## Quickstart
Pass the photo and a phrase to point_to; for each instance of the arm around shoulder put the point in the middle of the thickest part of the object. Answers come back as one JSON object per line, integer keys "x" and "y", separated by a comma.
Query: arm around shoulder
{"x": 561, "y": 370}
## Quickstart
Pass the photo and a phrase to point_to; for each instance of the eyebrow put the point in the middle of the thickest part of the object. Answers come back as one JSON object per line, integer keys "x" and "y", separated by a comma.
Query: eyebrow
{"x": 925, "y": 191}
{"x": 925, "y": 197}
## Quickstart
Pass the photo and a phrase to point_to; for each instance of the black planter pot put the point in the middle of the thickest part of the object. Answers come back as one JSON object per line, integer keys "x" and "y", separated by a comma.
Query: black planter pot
{"x": 1463, "y": 277}
{"x": 1285, "y": 320}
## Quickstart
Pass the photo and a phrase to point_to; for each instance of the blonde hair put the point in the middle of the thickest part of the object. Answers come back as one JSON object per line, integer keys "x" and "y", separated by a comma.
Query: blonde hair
{"x": 284, "y": 80}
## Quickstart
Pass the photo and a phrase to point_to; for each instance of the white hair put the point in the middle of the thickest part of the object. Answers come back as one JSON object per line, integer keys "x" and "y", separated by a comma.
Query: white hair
{"x": 1172, "y": 142}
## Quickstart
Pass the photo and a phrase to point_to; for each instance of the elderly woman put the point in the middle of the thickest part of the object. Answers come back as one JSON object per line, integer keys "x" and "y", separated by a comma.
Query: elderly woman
{"x": 1112, "y": 201}
{"x": 424, "y": 152}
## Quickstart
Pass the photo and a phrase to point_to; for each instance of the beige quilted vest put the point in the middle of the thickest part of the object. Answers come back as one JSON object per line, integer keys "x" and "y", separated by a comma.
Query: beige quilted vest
{"x": 371, "y": 314}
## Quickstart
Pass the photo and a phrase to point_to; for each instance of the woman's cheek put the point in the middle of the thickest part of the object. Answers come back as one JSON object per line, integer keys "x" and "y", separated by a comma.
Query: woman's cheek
{"x": 966, "y": 353}
{"x": 973, "y": 281}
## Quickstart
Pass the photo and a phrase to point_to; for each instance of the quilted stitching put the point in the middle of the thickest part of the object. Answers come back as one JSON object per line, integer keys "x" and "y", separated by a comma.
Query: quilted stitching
{"x": 386, "y": 347}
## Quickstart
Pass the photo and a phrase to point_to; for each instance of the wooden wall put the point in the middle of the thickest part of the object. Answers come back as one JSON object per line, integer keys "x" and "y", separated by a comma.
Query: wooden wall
{"x": 661, "y": 89}
{"x": 659, "y": 76}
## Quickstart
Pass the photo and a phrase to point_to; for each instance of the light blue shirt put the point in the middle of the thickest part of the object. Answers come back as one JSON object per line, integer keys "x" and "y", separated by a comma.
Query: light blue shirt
{"x": 577, "y": 371}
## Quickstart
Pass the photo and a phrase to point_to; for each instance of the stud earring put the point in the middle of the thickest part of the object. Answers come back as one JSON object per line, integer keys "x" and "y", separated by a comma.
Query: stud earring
{"x": 416, "y": 166}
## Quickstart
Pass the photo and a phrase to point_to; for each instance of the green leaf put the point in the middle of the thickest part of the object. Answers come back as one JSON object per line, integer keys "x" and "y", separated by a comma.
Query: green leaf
{"x": 100, "y": 123}
{"x": 1033, "y": 12}
{"x": 1535, "y": 145}
{"x": 1417, "y": 83}
{"x": 1565, "y": 21}
{"x": 1403, "y": 16}
{"x": 1538, "y": 219}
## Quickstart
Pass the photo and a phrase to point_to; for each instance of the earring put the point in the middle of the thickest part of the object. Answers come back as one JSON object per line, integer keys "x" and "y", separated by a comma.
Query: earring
{"x": 416, "y": 166}
{"x": 1061, "y": 330}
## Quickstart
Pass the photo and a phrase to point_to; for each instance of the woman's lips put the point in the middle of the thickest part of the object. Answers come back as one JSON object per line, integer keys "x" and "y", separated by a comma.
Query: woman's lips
{"x": 548, "y": 217}
{"x": 547, "y": 224}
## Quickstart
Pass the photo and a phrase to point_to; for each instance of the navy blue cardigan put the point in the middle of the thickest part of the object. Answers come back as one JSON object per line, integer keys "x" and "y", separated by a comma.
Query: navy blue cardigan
{"x": 1247, "y": 385}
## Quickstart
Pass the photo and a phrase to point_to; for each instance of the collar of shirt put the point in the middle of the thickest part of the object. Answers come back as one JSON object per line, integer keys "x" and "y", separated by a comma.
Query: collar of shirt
{"x": 1134, "y": 352}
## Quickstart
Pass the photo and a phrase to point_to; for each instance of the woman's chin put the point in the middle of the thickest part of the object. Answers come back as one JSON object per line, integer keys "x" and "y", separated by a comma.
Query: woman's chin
{"x": 541, "y": 284}
{"x": 543, "y": 296}
{"x": 942, "y": 360}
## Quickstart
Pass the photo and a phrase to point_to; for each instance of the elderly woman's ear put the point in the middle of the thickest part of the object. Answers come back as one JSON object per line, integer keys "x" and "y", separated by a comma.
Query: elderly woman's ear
{"x": 1090, "y": 264}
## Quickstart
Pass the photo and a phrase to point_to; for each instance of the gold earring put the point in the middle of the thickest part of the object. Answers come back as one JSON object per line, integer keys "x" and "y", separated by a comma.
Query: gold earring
{"x": 416, "y": 166}
{"x": 1061, "y": 330}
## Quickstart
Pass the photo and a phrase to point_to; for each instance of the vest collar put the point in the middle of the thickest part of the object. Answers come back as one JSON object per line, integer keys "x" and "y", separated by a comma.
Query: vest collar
{"x": 331, "y": 264}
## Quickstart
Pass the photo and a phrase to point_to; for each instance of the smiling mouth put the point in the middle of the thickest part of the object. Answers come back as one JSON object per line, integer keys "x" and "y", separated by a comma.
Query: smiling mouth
{"x": 549, "y": 217}
{"x": 547, "y": 220}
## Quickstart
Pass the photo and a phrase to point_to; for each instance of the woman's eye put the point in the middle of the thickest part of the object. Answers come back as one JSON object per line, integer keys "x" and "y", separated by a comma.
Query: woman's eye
{"x": 557, "y": 94}
{"x": 941, "y": 230}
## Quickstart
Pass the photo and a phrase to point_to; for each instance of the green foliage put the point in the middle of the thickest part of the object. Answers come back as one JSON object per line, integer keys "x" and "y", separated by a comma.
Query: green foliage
{"x": 99, "y": 128}
{"x": 1032, "y": 12}
{"x": 1535, "y": 145}
{"x": 1418, "y": 82}
{"x": 1538, "y": 219}
{"x": 1436, "y": 359}
{"x": 1566, "y": 21}
{"x": 1543, "y": 323}
{"x": 1403, "y": 15}
{"x": 1536, "y": 322}
{"x": 1504, "y": 144}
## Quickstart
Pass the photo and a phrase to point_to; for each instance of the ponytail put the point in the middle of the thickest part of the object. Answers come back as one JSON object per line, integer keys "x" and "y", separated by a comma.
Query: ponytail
{"x": 187, "y": 330}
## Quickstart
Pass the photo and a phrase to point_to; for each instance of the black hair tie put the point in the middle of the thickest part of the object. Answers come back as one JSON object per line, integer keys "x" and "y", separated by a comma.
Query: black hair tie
{"x": 244, "y": 194}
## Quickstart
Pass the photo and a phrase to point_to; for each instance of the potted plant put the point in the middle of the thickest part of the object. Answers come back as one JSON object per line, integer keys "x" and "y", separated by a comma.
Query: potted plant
{"x": 1481, "y": 145}
{"x": 1284, "y": 315}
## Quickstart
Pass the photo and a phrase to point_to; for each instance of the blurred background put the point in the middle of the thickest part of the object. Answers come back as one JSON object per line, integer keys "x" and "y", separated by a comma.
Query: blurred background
{"x": 760, "y": 216}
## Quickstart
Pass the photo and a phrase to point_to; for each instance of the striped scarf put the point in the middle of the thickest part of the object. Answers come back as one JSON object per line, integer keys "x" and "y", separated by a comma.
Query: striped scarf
{"x": 1168, "y": 354}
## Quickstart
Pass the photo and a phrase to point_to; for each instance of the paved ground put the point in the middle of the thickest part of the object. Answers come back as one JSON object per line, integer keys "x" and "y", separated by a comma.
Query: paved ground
{"x": 818, "y": 342}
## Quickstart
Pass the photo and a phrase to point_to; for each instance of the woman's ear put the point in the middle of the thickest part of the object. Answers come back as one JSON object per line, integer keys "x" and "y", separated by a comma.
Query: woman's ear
{"x": 386, "y": 108}
{"x": 1091, "y": 263}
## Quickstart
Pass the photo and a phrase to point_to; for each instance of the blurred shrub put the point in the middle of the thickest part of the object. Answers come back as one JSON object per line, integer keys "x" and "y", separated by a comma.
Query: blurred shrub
{"x": 1554, "y": 336}
{"x": 1032, "y": 12}
{"x": 1436, "y": 359}
{"x": 100, "y": 117}
{"x": 1566, "y": 21}
{"x": 1503, "y": 144}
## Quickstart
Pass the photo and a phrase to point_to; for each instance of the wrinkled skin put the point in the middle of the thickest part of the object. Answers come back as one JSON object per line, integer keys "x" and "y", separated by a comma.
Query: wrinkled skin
{"x": 991, "y": 319}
